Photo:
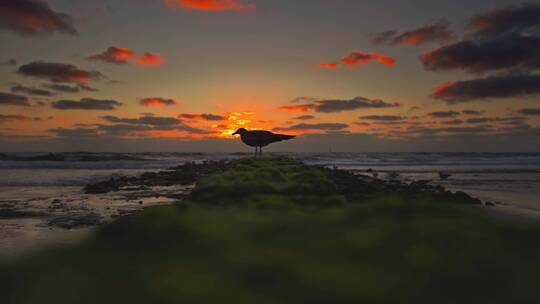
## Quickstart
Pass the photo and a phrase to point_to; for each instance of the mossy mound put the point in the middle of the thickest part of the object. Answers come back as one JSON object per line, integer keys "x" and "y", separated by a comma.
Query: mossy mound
{"x": 391, "y": 248}
{"x": 268, "y": 182}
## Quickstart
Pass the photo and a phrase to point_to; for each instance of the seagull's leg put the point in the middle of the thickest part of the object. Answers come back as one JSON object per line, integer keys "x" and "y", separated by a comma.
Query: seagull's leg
{"x": 256, "y": 151}
{"x": 260, "y": 151}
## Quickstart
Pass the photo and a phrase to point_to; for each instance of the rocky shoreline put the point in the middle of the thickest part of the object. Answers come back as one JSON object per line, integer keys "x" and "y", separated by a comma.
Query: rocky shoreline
{"x": 292, "y": 232}
{"x": 352, "y": 184}
{"x": 175, "y": 184}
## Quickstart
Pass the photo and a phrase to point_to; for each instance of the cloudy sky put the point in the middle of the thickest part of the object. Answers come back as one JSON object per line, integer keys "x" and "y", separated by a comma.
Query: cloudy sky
{"x": 344, "y": 75}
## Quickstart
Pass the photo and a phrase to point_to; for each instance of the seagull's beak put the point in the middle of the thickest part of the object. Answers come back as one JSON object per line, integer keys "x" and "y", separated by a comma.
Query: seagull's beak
{"x": 235, "y": 133}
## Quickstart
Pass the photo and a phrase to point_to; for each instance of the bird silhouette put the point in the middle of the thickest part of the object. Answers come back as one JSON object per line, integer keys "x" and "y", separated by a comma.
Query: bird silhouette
{"x": 260, "y": 138}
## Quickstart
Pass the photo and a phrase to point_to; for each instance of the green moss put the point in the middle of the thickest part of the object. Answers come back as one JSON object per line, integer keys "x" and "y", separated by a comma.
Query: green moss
{"x": 276, "y": 181}
{"x": 271, "y": 242}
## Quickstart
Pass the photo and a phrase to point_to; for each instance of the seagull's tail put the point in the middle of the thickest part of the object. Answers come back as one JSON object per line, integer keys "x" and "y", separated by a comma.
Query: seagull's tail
{"x": 285, "y": 137}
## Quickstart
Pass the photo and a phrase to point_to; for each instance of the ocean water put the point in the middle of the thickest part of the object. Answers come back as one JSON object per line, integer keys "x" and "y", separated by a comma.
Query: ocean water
{"x": 511, "y": 178}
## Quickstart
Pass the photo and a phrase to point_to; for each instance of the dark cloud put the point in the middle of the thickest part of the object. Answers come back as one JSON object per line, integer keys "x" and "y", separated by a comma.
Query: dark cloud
{"x": 123, "y": 129}
{"x": 529, "y": 111}
{"x": 210, "y": 117}
{"x": 472, "y": 112}
{"x": 383, "y": 118}
{"x": 157, "y": 102}
{"x": 145, "y": 120}
{"x": 148, "y": 123}
{"x": 31, "y": 91}
{"x": 437, "y": 32}
{"x": 315, "y": 127}
{"x": 340, "y": 105}
{"x": 75, "y": 133}
{"x": 33, "y": 17}
{"x": 386, "y": 37}
{"x": 13, "y": 100}
{"x": 87, "y": 88}
{"x": 499, "y": 86}
{"x": 58, "y": 72}
{"x": 483, "y": 55}
{"x": 504, "y": 40}
{"x": 443, "y": 114}
{"x": 10, "y": 62}
{"x": 419, "y": 130}
{"x": 86, "y": 104}
{"x": 305, "y": 117}
{"x": 511, "y": 19}
{"x": 336, "y": 105}
{"x": 479, "y": 120}
{"x": 114, "y": 55}
{"x": 69, "y": 89}
{"x": 452, "y": 122}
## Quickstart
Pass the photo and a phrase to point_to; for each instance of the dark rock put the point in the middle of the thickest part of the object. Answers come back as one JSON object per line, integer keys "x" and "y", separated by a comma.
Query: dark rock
{"x": 464, "y": 197}
{"x": 102, "y": 187}
{"x": 186, "y": 174}
{"x": 490, "y": 204}
{"x": 8, "y": 213}
{"x": 75, "y": 221}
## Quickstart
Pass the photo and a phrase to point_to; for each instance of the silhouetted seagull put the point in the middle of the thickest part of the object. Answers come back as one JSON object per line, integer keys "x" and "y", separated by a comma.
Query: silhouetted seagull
{"x": 260, "y": 138}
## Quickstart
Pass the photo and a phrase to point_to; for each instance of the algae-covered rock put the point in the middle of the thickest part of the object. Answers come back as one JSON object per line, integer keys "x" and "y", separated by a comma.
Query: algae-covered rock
{"x": 268, "y": 181}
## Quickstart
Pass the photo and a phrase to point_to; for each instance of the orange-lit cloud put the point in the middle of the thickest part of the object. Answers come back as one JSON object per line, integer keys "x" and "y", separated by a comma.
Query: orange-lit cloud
{"x": 157, "y": 102}
{"x": 31, "y": 17}
{"x": 118, "y": 55}
{"x": 114, "y": 55}
{"x": 328, "y": 65}
{"x": 16, "y": 117}
{"x": 298, "y": 108}
{"x": 151, "y": 60}
{"x": 211, "y": 5}
{"x": 359, "y": 58}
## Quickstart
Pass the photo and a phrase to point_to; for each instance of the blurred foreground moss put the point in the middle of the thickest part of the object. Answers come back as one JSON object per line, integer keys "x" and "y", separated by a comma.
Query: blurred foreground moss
{"x": 278, "y": 231}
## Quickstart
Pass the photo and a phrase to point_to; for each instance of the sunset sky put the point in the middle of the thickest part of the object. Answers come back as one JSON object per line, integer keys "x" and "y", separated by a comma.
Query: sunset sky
{"x": 344, "y": 75}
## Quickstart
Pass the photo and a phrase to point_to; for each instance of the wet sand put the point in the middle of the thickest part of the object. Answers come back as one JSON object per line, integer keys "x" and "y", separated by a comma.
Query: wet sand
{"x": 34, "y": 217}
